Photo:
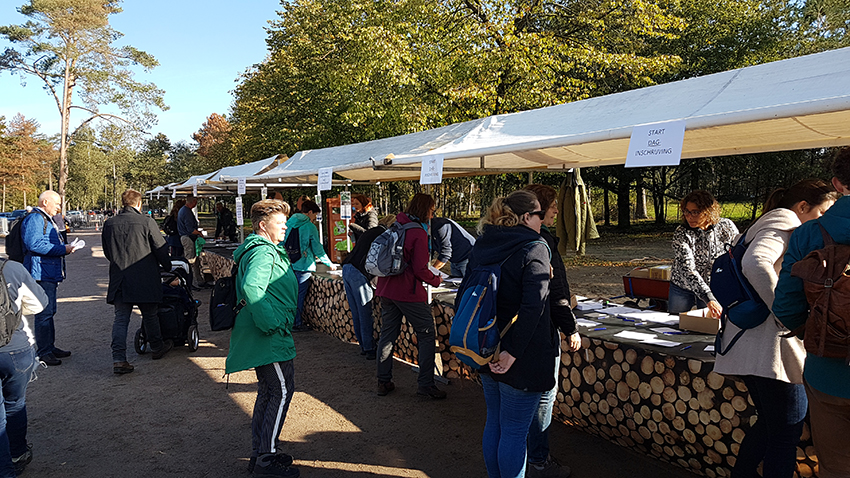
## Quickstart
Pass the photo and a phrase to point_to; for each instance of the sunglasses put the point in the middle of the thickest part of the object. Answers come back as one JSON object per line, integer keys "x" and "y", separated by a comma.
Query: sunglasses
{"x": 540, "y": 214}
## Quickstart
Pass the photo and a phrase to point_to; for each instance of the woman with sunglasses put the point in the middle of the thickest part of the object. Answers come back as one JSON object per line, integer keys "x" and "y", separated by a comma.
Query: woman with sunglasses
{"x": 696, "y": 243}
{"x": 525, "y": 368}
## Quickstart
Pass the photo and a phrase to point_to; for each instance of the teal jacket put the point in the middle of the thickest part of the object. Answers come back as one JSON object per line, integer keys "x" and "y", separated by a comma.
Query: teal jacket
{"x": 262, "y": 333}
{"x": 827, "y": 375}
{"x": 311, "y": 246}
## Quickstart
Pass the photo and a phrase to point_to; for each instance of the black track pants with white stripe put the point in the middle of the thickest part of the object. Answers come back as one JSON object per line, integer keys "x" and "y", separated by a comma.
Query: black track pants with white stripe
{"x": 275, "y": 386}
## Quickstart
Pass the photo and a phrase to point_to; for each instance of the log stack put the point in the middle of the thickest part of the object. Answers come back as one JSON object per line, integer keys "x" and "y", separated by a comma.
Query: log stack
{"x": 674, "y": 408}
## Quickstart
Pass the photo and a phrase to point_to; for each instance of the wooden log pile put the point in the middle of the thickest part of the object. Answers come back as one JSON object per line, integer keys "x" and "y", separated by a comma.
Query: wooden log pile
{"x": 673, "y": 408}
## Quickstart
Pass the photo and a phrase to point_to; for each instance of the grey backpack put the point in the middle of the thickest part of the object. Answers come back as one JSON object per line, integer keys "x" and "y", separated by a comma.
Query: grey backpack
{"x": 386, "y": 254}
{"x": 11, "y": 317}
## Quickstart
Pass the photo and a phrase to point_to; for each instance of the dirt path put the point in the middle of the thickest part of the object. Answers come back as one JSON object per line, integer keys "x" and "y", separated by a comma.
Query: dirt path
{"x": 176, "y": 418}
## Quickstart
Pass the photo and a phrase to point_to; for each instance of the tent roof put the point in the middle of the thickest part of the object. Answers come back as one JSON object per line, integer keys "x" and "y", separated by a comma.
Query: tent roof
{"x": 791, "y": 104}
{"x": 247, "y": 169}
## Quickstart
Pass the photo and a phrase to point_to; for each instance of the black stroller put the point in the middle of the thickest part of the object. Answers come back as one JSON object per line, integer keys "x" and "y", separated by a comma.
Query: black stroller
{"x": 178, "y": 311}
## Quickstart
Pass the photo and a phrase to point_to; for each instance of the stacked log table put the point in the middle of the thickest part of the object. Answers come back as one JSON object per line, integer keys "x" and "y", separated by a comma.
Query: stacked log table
{"x": 665, "y": 403}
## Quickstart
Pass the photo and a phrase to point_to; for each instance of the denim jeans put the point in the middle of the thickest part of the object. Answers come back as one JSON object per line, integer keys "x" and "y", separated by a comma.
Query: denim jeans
{"x": 509, "y": 414}
{"x": 303, "y": 286}
{"x": 682, "y": 300}
{"x": 418, "y": 315}
{"x": 538, "y": 432}
{"x": 16, "y": 368}
{"x": 45, "y": 333}
{"x": 781, "y": 408}
{"x": 175, "y": 246}
{"x": 359, "y": 294}
{"x": 150, "y": 321}
{"x": 459, "y": 269}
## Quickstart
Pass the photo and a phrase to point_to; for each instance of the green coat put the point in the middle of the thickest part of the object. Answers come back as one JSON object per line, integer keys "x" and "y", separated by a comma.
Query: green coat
{"x": 262, "y": 333}
{"x": 311, "y": 246}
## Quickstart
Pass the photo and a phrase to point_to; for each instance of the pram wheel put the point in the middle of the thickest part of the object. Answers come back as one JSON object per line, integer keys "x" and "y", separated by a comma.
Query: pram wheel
{"x": 141, "y": 342}
{"x": 194, "y": 338}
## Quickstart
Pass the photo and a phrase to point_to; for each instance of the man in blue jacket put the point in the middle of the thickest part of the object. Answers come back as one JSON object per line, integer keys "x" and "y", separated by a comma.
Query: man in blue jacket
{"x": 451, "y": 243}
{"x": 827, "y": 380}
{"x": 45, "y": 260}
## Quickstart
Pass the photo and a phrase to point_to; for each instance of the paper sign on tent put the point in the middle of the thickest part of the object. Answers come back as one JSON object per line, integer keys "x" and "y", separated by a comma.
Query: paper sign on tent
{"x": 432, "y": 170}
{"x": 325, "y": 179}
{"x": 239, "y": 213}
{"x": 658, "y": 144}
{"x": 241, "y": 186}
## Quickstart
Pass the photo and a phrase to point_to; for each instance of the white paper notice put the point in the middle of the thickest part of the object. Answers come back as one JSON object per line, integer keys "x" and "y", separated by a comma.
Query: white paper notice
{"x": 658, "y": 144}
{"x": 195, "y": 189}
{"x": 325, "y": 178}
{"x": 239, "y": 219}
{"x": 589, "y": 305}
{"x": 173, "y": 193}
{"x": 660, "y": 342}
{"x": 432, "y": 170}
{"x": 586, "y": 323}
{"x": 241, "y": 186}
{"x": 345, "y": 205}
{"x": 264, "y": 192}
{"x": 709, "y": 348}
{"x": 628, "y": 334}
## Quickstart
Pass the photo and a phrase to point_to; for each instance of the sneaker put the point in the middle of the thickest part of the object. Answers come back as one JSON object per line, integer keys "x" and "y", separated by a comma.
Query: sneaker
{"x": 285, "y": 459}
{"x": 121, "y": 367}
{"x": 548, "y": 469}
{"x": 59, "y": 353}
{"x": 270, "y": 464}
{"x": 385, "y": 388}
{"x": 51, "y": 360}
{"x": 167, "y": 345}
{"x": 22, "y": 461}
{"x": 431, "y": 391}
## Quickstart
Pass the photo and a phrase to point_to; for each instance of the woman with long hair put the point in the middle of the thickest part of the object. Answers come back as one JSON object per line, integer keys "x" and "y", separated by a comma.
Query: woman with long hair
{"x": 770, "y": 365}
{"x": 525, "y": 368}
{"x": 696, "y": 243}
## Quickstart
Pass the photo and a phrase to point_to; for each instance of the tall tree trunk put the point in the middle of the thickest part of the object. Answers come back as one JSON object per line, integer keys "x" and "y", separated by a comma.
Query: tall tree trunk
{"x": 659, "y": 198}
{"x": 605, "y": 203}
{"x": 624, "y": 209}
{"x": 640, "y": 201}
{"x": 67, "y": 91}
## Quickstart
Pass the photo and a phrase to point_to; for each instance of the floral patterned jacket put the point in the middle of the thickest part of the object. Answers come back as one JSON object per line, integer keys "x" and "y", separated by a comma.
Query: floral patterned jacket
{"x": 695, "y": 251}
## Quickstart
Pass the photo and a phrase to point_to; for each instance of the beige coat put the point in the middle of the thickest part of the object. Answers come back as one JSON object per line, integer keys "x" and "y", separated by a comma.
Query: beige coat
{"x": 762, "y": 351}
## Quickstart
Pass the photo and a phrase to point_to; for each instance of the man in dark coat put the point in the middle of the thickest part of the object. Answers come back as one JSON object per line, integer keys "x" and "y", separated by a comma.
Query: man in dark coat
{"x": 225, "y": 226}
{"x": 136, "y": 250}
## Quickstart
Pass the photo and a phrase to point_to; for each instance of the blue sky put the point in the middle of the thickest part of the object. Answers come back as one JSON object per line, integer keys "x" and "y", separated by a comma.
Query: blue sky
{"x": 202, "y": 46}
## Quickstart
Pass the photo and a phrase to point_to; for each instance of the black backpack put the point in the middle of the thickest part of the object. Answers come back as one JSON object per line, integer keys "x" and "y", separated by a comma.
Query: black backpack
{"x": 169, "y": 226}
{"x": 11, "y": 317}
{"x": 223, "y": 305}
{"x": 293, "y": 246}
{"x": 15, "y": 240}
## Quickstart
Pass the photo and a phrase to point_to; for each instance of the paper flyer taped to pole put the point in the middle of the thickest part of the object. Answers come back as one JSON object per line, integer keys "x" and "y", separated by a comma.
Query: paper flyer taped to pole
{"x": 241, "y": 186}
{"x": 325, "y": 179}
{"x": 239, "y": 213}
{"x": 432, "y": 170}
{"x": 658, "y": 144}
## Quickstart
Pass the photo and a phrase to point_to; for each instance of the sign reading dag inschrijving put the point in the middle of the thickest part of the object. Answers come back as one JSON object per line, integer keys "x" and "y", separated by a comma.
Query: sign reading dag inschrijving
{"x": 658, "y": 144}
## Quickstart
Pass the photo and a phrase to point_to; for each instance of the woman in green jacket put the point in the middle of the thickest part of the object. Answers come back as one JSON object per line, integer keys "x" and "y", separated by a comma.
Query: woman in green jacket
{"x": 311, "y": 249}
{"x": 262, "y": 334}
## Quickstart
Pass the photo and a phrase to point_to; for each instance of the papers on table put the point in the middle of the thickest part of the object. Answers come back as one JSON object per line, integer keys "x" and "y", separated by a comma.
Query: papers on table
{"x": 454, "y": 280}
{"x": 335, "y": 273}
{"x": 589, "y": 305}
{"x": 645, "y": 338}
{"x": 661, "y": 342}
{"x": 667, "y": 330}
{"x": 709, "y": 348}
{"x": 586, "y": 323}
{"x": 618, "y": 310}
{"x": 436, "y": 272}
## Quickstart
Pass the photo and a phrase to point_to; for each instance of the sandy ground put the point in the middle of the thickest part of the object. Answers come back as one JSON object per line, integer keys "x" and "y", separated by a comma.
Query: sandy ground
{"x": 179, "y": 417}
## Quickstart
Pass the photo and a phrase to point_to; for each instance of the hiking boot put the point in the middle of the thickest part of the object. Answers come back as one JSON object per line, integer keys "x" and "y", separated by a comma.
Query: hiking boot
{"x": 51, "y": 360}
{"x": 385, "y": 388}
{"x": 22, "y": 461}
{"x": 59, "y": 353}
{"x": 431, "y": 391}
{"x": 167, "y": 345}
{"x": 121, "y": 367}
{"x": 548, "y": 469}
{"x": 270, "y": 464}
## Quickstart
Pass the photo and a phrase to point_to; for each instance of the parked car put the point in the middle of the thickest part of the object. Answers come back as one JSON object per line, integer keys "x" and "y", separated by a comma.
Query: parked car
{"x": 76, "y": 218}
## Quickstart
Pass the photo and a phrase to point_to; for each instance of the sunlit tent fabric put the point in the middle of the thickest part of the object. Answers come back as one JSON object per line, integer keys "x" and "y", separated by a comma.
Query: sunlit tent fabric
{"x": 212, "y": 184}
{"x": 792, "y": 104}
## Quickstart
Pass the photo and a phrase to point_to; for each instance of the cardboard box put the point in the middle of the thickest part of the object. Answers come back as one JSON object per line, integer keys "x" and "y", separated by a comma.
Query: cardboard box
{"x": 697, "y": 321}
{"x": 640, "y": 272}
{"x": 640, "y": 287}
{"x": 660, "y": 272}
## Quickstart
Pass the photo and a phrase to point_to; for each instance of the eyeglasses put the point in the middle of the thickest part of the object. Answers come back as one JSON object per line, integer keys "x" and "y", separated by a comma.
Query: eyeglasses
{"x": 692, "y": 213}
{"x": 540, "y": 214}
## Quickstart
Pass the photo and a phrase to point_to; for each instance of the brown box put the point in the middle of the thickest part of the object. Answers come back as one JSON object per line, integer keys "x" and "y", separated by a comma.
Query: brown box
{"x": 660, "y": 272}
{"x": 573, "y": 301}
{"x": 696, "y": 321}
{"x": 640, "y": 272}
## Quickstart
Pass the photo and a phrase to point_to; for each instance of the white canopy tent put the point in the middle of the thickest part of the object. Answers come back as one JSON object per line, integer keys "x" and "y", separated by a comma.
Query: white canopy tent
{"x": 792, "y": 104}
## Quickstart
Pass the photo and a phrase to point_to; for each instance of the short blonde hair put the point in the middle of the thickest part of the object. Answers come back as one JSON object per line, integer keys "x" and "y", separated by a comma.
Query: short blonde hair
{"x": 262, "y": 210}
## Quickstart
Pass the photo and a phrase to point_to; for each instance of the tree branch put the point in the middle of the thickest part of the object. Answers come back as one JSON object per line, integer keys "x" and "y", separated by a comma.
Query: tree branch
{"x": 95, "y": 115}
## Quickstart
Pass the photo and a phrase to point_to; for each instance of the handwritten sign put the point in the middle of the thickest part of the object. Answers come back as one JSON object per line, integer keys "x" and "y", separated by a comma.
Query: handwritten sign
{"x": 658, "y": 144}
{"x": 241, "y": 186}
{"x": 325, "y": 179}
{"x": 432, "y": 170}
{"x": 173, "y": 193}
{"x": 239, "y": 219}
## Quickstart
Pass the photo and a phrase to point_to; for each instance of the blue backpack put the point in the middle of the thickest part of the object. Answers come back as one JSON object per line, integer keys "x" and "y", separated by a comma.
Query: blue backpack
{"x": 474, "y": 337}
{"x": 741, "y": 304}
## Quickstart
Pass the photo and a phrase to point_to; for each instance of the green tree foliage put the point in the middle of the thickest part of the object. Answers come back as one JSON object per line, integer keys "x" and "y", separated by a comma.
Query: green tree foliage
{"x": 149, "y": 168}
{"x": 25, "y": 160}
{"x": 99, "y": 164}
{"x": 68, "y": 44}
{"x": 348, "y": 71}
{"x": 823, "y": 24}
